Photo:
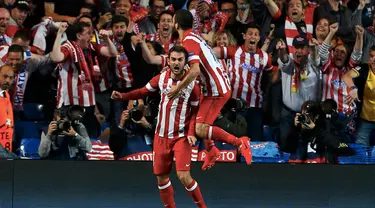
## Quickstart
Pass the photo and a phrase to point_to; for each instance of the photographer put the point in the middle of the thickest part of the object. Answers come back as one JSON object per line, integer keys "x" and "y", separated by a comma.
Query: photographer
{"x": 314, "y": 135}
{"x": 230, "y": 118}
{"x": 133, "y": 123}
{"x": 66, "y": 138}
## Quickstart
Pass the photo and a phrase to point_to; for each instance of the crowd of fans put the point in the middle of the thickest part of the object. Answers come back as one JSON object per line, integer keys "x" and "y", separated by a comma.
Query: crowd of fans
{"x": 283, "y": 59}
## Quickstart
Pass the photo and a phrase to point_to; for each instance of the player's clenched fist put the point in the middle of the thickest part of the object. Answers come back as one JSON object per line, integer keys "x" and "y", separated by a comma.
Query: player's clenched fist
{"x": 116, "y": 95}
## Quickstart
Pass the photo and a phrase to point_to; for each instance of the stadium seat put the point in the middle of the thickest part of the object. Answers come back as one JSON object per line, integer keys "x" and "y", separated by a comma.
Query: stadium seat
{"x": 363, "y": 155}
{"x": 136, "y": 149}
{"x": 28, "y": 129}
{"x": 267, "y": 133}
{"x": 33, "y": 112}
{"x": 29, "y": 148}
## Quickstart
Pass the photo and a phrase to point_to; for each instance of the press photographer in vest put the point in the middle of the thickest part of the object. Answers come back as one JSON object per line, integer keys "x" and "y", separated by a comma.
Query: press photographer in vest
{"x": 6, "y": 110}
{"x": 66, "y": 138}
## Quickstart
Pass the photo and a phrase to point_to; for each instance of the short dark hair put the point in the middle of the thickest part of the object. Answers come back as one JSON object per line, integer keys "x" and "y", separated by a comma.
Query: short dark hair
{"x": 179, "y": 49}
{"x": 117, "y": 19}
{"x": 184, "y": 19}
{"x": 16, "y": 49}
{"x": 372, "y": 48}
{"x": 151, "y": 2}
{"x": 159, "y": 50}
{"x": 169, "y": 12}
{"x": 227, "y": 1}
{"x": 22, "y": 34}
{"x": 253, "y": 26}
{"x": 76, "y": 28}
{"x": 84, "y": 16}
{"x": 303, "y": 5}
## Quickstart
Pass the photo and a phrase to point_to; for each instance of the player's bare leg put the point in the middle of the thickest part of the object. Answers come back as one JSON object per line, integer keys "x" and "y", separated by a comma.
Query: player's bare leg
{"x": 213, "y": 132}
{"x": 166, "y": 191}
{"x": 192, "y": 188}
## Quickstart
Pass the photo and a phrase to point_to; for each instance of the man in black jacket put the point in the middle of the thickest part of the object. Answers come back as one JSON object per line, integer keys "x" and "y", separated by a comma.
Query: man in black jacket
{"x": 315, "y": 131}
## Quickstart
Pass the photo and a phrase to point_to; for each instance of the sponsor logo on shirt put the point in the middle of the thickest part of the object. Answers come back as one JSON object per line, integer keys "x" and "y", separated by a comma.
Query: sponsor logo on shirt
{"x": 338, "y": 83}
{"x": 250, "y": 68}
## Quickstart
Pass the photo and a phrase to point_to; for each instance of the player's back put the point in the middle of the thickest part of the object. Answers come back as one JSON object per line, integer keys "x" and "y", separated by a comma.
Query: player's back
{"x": 214, "y": 79}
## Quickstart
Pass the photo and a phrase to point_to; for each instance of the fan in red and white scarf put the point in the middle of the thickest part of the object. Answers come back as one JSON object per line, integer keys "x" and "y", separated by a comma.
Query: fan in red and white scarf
{"x": 76, "y": 75}
{"x": 164, "y": 35}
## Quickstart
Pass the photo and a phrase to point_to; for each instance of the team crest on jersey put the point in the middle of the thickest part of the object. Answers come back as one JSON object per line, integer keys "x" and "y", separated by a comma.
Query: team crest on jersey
{"x": 338, "y": 83}
{"x": 250, "y": 68}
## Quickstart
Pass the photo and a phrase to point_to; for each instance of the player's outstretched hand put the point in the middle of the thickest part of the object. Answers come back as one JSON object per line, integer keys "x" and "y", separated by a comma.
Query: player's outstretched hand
{"x": 192, "y": 140}
{"x": 116, "y": 95}
{"x": 173, "y": 93}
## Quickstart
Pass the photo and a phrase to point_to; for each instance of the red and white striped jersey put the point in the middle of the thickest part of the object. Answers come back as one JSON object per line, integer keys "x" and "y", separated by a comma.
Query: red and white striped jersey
{"x": 70, "y": 87}
{"x": 213, "y": 78}
{"x": 100, "y": 151}
{"x": 226, "y": 65}
{"x": 246, "y": 73}
{"x": 166, "y": 45}
{"x": 123, "y": 69}
{"x": 334, "y": 87}
{"x": 106, "y": 75}
{"x": 176, "y": 118}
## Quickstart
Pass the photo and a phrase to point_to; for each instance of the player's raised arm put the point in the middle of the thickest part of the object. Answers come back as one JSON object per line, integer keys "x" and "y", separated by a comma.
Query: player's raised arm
{"x": 146, "y": 53}
{"x": 150, "y": 88}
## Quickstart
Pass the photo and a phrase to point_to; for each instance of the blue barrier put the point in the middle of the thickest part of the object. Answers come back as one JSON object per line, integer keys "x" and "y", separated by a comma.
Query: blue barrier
{"x": 29, "y": 148}
{"x": 267, "y": 152}
{"x": 363, "y": 155}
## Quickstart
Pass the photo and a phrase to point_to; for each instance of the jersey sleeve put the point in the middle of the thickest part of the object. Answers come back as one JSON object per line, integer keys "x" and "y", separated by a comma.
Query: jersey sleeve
{"x": 66, "y": 51}
{"x": 150, "y": 88}
{"x": 195, "y": 95}
{"x": 193, "y": 48}
{"x": 227, "y": 52}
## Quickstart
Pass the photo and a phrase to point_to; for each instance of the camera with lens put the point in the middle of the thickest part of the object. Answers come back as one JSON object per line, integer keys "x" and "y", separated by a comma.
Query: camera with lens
{"x": 235, "y": 105}
{"x": 303, "y": 118}
{"x": 136, "y": 113}
{"x": 69, "y": 117}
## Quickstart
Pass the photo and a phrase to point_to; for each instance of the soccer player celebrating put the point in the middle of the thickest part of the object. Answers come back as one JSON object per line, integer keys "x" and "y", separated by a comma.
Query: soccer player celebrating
{"x": 217, "y": 91}
{"x": 175, "y": 129}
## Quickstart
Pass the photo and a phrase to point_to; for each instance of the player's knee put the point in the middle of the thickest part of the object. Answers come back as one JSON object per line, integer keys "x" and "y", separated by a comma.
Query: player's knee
{"x": 162, "y": 179}
{"x": 185, "y": 177}
{"x": 201, "y": 130}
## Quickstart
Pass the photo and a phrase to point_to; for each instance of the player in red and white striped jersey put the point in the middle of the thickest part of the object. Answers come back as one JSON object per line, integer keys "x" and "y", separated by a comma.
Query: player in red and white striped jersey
{"x": 75, "y": 84}
{"x": 203, "y": 62}
{"x": 248, "y": 64}
{"x": 175, "y": 130}
{"x": 335, "y": 65}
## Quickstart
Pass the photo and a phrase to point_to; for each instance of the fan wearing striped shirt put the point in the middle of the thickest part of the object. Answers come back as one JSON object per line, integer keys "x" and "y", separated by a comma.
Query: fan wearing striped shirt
{"x": 175, "y": 128}
{"x": 248, "y": 64}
